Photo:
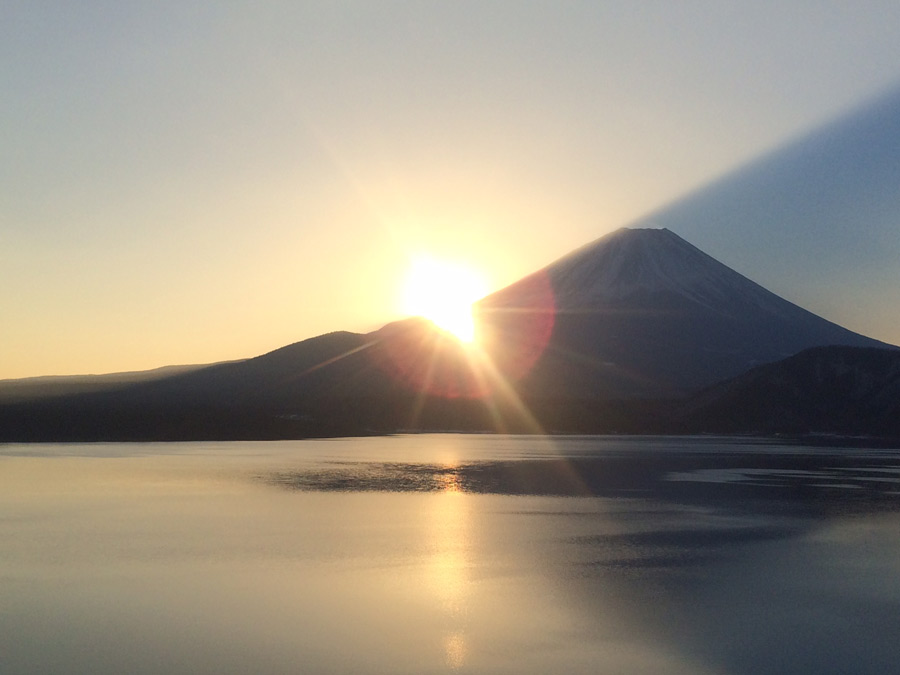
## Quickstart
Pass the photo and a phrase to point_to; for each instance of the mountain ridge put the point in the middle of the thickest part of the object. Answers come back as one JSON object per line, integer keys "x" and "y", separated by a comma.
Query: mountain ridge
{"x": 834, "y": 389}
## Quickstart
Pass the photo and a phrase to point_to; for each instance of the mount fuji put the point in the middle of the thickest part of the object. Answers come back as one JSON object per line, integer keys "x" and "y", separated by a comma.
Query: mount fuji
{"x": 643, "y": 313}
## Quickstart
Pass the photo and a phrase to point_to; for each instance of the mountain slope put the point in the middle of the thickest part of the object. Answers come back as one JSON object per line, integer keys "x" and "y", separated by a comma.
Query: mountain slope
{"x": 840, "y": 390}
{"x": 641, "y": 312}
{"x": 405, "y": 375}
{"x": 34, "y": 388}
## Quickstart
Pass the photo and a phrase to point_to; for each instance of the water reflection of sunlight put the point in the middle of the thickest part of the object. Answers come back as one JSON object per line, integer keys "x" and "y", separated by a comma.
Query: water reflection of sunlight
{"x": 455, "y": 649}
{"x": 448, "y": 572}
{"x": 449, "y": 482}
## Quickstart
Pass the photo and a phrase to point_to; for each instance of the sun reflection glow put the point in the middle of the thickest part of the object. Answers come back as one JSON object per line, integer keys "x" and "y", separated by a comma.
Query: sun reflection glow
{"x": 449, "y": 569}
{"x": 455, "y": 650}
{"x": 448, "y": 481}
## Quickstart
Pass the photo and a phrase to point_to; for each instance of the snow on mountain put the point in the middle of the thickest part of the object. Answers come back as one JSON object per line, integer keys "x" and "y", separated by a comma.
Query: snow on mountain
{"x": 630, "y": 264}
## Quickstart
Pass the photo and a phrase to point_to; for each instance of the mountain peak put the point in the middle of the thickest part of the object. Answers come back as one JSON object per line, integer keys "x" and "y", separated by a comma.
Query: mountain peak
{"x": 646, "y": 265}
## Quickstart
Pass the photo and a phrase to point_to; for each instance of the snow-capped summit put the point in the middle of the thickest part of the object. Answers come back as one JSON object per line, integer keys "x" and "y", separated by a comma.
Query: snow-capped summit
{"x": 637, "y": 265}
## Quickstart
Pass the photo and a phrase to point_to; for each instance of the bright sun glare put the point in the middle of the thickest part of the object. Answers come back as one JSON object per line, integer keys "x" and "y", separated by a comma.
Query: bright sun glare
{"x": 443, "y": 292}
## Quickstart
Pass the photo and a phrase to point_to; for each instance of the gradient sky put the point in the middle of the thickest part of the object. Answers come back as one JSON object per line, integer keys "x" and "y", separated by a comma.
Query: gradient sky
{"x": 188, "y": 182}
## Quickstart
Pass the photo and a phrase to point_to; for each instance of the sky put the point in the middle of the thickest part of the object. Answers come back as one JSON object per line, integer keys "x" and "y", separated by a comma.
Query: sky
{"x": 190, "y": 182}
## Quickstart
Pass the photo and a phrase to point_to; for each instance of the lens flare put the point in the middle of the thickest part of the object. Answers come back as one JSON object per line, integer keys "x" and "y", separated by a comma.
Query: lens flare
{"x": 443, "y": 292}
{"x": 513, "y": 329}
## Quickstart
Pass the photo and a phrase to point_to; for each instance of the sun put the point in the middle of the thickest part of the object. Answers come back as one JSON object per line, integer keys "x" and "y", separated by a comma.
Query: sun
{"x": 443, "y": 291}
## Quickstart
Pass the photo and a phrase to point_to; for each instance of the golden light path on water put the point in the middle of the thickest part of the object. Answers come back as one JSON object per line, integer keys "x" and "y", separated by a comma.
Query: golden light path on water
{"x": 452, "y": 558}
{"x": 450, "y": 564}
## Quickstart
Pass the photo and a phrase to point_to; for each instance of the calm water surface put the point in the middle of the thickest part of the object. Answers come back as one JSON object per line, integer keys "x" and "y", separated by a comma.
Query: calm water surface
{"x": 449, "y": 554}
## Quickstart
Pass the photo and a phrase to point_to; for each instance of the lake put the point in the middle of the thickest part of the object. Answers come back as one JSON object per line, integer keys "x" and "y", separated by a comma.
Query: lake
{"x": 450, "y": 553}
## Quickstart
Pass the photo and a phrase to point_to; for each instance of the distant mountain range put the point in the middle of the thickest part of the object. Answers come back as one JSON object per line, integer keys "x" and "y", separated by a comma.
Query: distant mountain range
{"x": 620, "y": 335}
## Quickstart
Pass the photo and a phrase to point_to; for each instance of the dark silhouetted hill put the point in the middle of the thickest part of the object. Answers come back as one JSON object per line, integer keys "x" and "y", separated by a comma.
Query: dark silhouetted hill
{"x": 825, "y": 390}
